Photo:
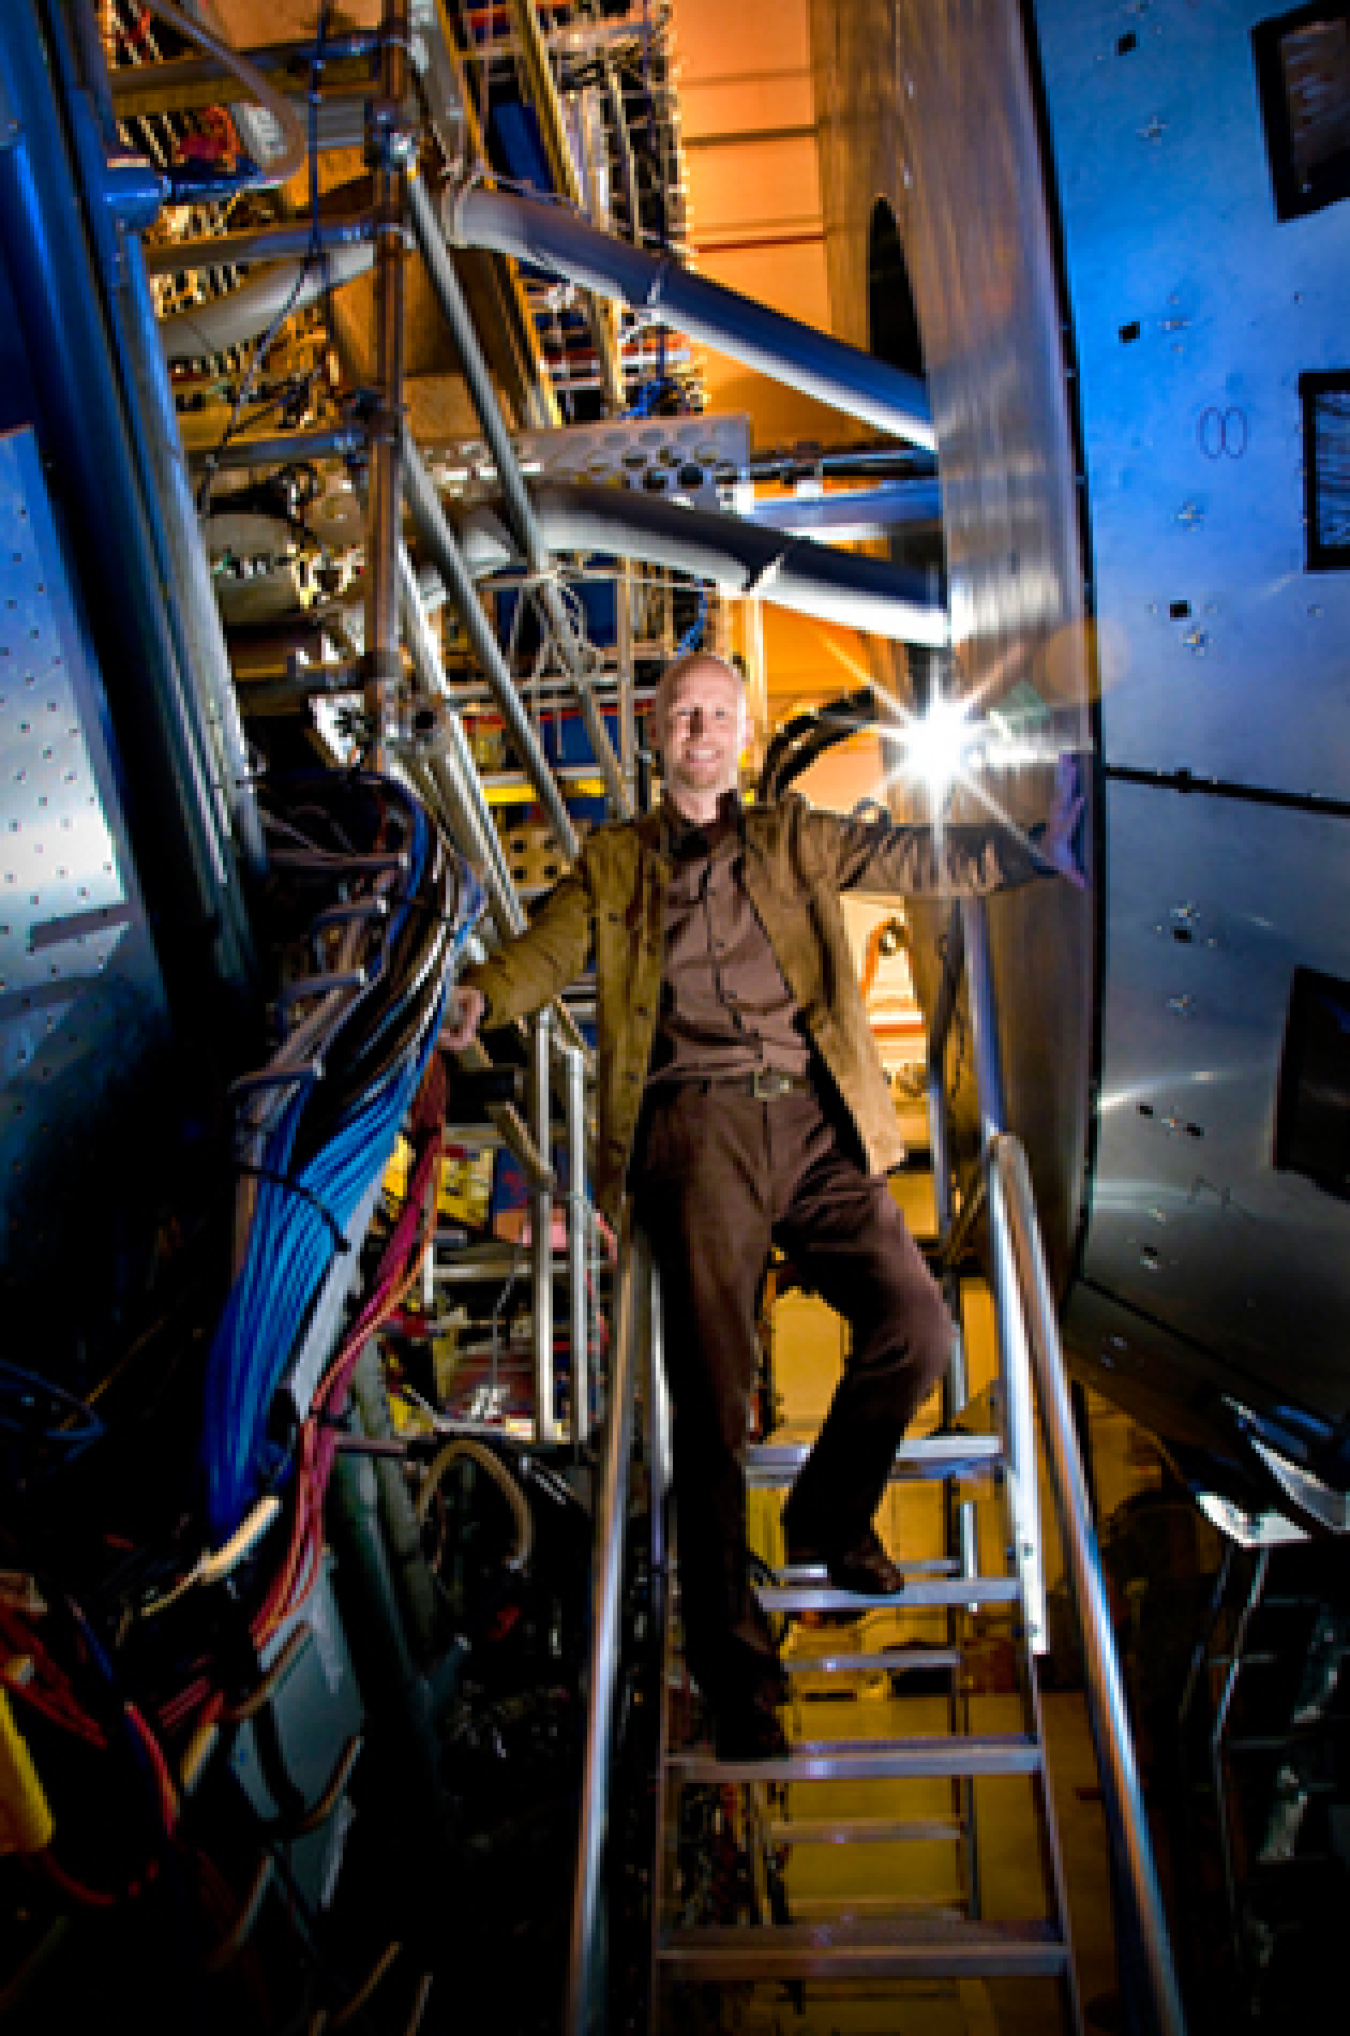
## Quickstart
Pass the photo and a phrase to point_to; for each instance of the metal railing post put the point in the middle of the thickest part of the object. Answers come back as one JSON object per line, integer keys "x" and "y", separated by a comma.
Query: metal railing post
{"x": 578, "y": 1239}
{"x": 958, "y": 1377}
{"x": 585, "y": 2011}
{"x": 1127, "y": 1822}
{"x": 1019, "y": 1421}
{"x": 541, "y": 1236}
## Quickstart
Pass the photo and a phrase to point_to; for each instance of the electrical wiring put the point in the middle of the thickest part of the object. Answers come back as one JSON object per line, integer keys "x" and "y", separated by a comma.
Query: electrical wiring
{"x": 316, "y": 1144}
{"x": 400, "y": 1264}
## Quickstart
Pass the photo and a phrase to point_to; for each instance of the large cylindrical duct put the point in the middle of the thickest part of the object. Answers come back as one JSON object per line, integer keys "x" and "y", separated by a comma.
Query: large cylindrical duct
{"x": 738, "y": 557}
{"x": 246, "y": 313}
{"x": 553, "y": 237}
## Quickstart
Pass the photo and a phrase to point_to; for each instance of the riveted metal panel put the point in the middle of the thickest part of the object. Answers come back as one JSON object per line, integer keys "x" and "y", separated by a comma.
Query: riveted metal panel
{"x": 81, "y": 1008}
{"x": 1212, "y": 906}
{"x": 1194, "y": 314}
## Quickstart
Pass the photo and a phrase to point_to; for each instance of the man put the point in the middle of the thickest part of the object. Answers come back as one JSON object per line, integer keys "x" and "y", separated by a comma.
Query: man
{"x": 741, "y": 1099}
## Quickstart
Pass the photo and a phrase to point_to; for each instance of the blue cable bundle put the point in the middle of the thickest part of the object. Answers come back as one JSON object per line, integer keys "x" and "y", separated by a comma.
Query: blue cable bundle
{"x": 330, "y": 1142}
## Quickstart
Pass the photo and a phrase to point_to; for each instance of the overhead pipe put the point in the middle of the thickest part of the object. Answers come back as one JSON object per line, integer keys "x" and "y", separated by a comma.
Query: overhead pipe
{"x": 247, "y": 313}
{"x": 553, "y": 237}
{"x": 738, "y": 556}
{"x": 854, "y": 516}
{"x": 343, "y": 441}
{"x": 519, "y": 507}
{"x": 442, "y": 549}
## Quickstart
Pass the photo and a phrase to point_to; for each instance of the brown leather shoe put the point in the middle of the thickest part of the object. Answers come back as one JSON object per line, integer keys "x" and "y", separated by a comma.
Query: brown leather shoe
{"x": 866, "y": 1571}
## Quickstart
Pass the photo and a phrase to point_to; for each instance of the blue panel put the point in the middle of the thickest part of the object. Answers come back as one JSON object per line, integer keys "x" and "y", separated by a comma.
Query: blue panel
{"x": 82, "y": 1012}
{"x": 1195, "y": 312}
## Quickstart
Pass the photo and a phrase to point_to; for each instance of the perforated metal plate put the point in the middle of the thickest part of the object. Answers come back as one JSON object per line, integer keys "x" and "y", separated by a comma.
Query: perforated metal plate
{"x": 81, "y": 1005}
{"x": 686, "y": 456}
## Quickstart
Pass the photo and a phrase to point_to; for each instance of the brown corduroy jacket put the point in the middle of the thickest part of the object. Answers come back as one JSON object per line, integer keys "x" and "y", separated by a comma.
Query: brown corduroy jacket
{"x": 797, "y": 863}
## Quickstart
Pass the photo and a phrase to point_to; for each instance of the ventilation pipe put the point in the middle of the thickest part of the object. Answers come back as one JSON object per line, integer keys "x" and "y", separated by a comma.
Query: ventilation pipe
{"x": 248, "y": 312}
{"x": 554, "y": 238}
{"x": 738, "y": 557}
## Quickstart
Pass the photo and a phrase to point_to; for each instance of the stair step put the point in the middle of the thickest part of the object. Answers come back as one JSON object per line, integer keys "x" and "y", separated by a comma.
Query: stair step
{"x": 975, "y": 1590}
{"x": 873, "y": 1908}
{"x": 878, "y": 1662}
{"x": 863, "y": 1830}
{"x": 915, "y": 1948}
{"x": 815, "y": 1573}
{"x": 868, "y": 1760}
{"x": 926, "y": 1456}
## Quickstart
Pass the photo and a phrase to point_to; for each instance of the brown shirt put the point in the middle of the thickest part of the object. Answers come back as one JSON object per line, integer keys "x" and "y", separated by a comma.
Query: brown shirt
{"x": 725, "y": 1006}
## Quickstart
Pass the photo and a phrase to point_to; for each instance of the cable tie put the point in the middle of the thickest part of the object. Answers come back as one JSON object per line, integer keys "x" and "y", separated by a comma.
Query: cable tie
{"x": 267, "y": 1173}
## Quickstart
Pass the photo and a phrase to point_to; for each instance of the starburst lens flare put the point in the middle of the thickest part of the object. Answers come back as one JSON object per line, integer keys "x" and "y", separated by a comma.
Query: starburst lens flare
{"x": 937, "y": 745}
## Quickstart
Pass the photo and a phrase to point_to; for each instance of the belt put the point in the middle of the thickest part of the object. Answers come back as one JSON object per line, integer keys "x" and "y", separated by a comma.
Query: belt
{"x": 766, "y": 1083}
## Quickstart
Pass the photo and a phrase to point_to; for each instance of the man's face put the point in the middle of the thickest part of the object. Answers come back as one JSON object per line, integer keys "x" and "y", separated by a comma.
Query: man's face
{"x": 700, "y": 727}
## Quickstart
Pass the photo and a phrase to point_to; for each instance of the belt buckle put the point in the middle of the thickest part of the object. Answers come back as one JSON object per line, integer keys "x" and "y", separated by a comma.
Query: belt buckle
{"x": 768, "y": 1082}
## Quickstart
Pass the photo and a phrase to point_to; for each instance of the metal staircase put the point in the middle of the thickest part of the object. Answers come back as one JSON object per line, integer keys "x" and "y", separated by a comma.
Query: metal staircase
{"x": 915, "y": 1928}
{"x": 897, "y": 1801}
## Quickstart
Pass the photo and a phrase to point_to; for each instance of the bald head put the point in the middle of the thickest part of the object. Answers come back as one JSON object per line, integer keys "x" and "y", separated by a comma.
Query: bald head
{"x": 679, "y": 668}
{"x": 698, "y": 723}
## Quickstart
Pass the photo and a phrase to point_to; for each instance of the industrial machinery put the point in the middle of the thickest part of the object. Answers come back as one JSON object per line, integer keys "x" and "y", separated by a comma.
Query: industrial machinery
{"x": 357, "y": 479}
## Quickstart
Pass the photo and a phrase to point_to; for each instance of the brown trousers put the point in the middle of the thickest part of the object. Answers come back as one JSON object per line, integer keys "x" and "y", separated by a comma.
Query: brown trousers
{"x": 717, "y": 1177}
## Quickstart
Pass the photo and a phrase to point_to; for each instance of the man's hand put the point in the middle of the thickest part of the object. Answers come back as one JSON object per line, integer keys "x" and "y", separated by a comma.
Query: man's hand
{"x": 464, "y": 1008}
{"x": 1059, "y": 843}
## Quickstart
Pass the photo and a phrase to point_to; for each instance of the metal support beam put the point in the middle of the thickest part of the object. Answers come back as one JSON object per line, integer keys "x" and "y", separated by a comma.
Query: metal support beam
{"x": 388, "y": 150}
{"x": 578, "y": 1240}
{"x": 541, "y": 1236}
{"x": 585, "y": 1978}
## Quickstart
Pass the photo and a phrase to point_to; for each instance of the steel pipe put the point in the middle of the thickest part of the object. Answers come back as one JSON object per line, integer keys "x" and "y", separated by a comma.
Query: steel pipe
{"x": 342, "y": 441}
{"x": 387, "y": 154}
{"x": 611, "y": 1517}
{"x": 266, "y": 244}
{"x": 1019, "y": 1419}
{"x": 457, "y": 777}
{"x": 736, "y": 555}
{"x": 1107, "y": 1706}
{"x": 578, "y": 1239}
{"x": 554, "y": 238}
{"x": 519, "y": 507}
{"x": 541, "y": 1237}
{"x": 208, "y": 659}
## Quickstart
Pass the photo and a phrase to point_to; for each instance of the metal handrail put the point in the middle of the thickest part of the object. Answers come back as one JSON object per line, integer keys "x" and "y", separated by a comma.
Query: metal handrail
{"x": 1032, "y": 1356}
{"x": 585, "y": 1982}
{"x": 1127, "y": 1823}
